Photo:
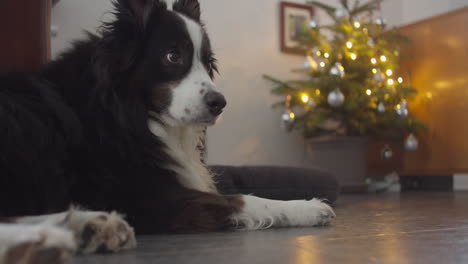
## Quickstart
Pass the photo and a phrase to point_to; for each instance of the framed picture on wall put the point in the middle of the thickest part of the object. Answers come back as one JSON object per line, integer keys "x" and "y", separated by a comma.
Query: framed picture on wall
{"x": 294, "y": 21}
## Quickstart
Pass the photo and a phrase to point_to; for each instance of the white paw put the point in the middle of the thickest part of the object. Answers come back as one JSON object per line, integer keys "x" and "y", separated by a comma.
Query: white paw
{"x": 259, "y": 213}
{"x": 40, "y": 244}
{"x": 101, "y": 232}
{"x": 322, "y": 213}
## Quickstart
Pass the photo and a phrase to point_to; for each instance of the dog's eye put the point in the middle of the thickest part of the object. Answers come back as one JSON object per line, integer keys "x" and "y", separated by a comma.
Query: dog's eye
{"x": 174, "y": 57}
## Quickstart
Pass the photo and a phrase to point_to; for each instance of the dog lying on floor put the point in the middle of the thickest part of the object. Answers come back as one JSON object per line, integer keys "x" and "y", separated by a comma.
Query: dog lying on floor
{"x": 115, "y": 124}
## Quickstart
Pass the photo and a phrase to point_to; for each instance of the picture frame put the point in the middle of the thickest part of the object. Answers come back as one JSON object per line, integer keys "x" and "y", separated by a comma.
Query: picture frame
{"x": 294, "y": 21}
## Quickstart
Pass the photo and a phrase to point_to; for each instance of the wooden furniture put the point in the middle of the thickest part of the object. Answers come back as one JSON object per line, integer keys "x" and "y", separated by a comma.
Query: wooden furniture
{"x": 25, "y": 38}
{"x": 438, "y": 69}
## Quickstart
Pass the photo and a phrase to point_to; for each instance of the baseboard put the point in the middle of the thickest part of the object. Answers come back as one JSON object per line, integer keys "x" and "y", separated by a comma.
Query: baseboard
{"x": 427, "y": 183}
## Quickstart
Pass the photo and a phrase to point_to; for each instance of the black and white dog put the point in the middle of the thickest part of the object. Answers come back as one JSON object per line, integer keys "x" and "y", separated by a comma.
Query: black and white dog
{"x": 115, "y": 125}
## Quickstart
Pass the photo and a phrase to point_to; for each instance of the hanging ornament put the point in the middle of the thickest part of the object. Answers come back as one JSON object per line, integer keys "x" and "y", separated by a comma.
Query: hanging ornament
{"x": 311, "y": 102}
{"x": 337, "y": 70}
{"x": 310, "y": 63}
{"x": 411, "y": 143}
{"x": 341, "y": 13}
{"x": 380, "y": 21}
{"x": 402, "y": 109}
{"x": 287, "y": 120}
{"x": 336, "y": 98}
{"x": 378, "y": 75}
{"x": 314, "y": 23}
{"x": 381, "y": 107}
{"x": 386, "y": 153}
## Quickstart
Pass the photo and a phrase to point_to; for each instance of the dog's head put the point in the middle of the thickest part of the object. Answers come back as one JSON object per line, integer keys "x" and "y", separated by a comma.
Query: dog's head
{"x": 172, "y": 64}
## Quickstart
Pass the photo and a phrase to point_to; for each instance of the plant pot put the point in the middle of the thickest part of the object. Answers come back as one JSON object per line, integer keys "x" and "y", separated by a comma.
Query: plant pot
{"x": 344, "y": 157}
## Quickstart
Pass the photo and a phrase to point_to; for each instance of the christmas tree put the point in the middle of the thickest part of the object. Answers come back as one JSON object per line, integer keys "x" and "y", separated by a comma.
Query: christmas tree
{"x": 350, "y": 84}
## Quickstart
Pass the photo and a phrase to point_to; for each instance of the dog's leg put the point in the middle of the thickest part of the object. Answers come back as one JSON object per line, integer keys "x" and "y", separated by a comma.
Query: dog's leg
{"x": 259, "y": 213}
{"x": 93, "y": 231}
{"x": 35, "y": 244}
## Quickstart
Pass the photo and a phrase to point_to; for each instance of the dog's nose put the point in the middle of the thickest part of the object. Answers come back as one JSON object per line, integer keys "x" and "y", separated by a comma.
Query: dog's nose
{"x": 215, "y": 102}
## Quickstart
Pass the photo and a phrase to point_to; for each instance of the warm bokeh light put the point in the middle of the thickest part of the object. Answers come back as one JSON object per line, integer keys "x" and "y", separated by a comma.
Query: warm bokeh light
{"x": 368, "y": 92}
{"x": 400, "y": 79}
{"x": 326, "y": 55}
{"x": 374, "y": 71}
{"x": 292, "y": 115}
{"x": 389, "y": 72}
{"x": 353, "y": 56}
{"x": 322, "y": 64}
{"x": 349, "y": 44}
{"x": 374, "y": 61}
{"x": 305, "y": 98}
{"x": 317, "y": 92}
{"x": 383, "y": 58}
{"x": 357, "y": 24}
{"x": 390, "y": 81}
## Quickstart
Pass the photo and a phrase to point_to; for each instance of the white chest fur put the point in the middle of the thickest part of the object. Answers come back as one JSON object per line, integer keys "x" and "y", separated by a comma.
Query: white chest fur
{"x": 182, "y": 145}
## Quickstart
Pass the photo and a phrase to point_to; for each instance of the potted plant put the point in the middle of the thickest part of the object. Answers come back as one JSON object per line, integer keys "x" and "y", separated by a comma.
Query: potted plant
{"x": 350, "y": 89}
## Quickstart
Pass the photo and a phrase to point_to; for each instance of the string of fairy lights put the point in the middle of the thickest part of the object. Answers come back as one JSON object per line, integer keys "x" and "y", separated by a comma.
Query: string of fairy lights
{"x": 320, "y": 60}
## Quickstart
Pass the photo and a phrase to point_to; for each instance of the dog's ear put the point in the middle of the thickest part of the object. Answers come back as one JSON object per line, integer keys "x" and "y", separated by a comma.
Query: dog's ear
{"x": 190, "y": 8}
{"x": 142, "y": 9}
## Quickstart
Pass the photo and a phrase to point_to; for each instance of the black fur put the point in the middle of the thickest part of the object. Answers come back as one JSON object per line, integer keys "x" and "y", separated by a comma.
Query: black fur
{"x": 77, "y": 131}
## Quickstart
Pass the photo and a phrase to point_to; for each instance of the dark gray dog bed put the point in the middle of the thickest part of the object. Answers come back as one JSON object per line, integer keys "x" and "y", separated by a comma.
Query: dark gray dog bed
{"x": 280, "y": 183}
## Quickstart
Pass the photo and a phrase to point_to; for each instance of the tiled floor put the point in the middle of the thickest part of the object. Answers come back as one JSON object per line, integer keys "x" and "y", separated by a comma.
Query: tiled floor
{"x": 411, "y": 228}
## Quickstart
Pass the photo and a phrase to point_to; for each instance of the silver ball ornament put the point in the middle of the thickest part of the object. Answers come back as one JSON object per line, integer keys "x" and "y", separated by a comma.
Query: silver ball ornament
{"x": 314, "y": 23}
{"x": 402, "y": 109}
{"x": 311, "y": 102}
{"x": 287, "y": 120}
{"x": 387, "y": 153}
{"x": 336, "y": 98}
{"x": 379, "y": 76}
{"x": 341, "y": 13}
{"x": 381, "y": 107}
{"x": 380, "y": 21}
{"x": 337, "y": 70}
{"x": 411, "y": 143}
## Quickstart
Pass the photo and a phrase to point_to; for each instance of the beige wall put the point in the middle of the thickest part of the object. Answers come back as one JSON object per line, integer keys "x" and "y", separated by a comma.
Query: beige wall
{"x": 245, "y": 37}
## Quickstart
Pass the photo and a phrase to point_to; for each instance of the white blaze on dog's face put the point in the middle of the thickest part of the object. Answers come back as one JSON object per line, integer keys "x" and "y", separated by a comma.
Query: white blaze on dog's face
{"x": 181, "y": 65}
{"x": 194, "y": 99}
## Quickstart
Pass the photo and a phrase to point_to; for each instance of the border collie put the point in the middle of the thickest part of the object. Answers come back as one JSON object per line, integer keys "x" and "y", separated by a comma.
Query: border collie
{"x": 114, "y": 125}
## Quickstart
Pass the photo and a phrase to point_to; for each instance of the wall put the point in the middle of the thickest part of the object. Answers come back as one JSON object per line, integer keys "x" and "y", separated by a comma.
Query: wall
{"x": 245, "y": 37}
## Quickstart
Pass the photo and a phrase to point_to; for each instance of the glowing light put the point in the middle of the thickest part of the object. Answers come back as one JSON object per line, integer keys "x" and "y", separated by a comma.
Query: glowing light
{"x": 326, "y": 55}
{"x": 368, "y": 92}
{"x": 318, "y": 53}
{"x": 322, "y": 64}
{"x": 357, "y": 24}
{"x": 374, "y": 71}
{"x": 349, "y": 44}
{"x": 383, "y": 58}
{"x": 389, "y": 72}
{"x": 292, "y": 115}
{"x": 429, "y": 95}
{"x": 353, "y": 56}
{"x": 317, "y": 92}
{"x": 400, "y": 80}
{"x": 390, "y": 81}
{"x": 305, "y": 98}
{"x": 374, "y": 61}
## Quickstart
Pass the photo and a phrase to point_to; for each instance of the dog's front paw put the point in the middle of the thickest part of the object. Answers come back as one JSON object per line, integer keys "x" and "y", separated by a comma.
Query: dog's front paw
{"x": 310, "y": 213}
{"x": 325, "y": 212}
{"x": 101, "y": 232}
{"x": 40, "y": 244}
